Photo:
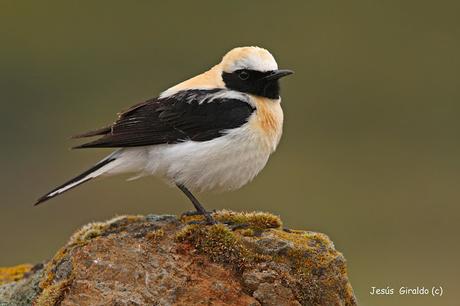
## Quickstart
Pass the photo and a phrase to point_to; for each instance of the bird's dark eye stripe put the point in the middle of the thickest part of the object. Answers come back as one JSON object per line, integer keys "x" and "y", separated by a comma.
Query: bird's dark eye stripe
{"x": 252, "y": 81}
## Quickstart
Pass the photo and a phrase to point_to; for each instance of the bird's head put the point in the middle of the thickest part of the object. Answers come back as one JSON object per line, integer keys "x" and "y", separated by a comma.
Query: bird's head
{"x": 252, "y": 70}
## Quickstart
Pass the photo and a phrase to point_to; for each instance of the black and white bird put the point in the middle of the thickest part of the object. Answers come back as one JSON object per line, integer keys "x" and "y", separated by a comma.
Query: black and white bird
{"x": 214, "y": 131}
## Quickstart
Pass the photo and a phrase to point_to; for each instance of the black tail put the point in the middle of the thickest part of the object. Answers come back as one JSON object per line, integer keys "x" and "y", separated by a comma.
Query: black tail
{"x": 76, "y": 181}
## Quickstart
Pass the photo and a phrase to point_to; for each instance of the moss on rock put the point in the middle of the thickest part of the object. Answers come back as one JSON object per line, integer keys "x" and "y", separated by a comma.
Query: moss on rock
{"x": 219, "y": 243}
{"x": 52, "y": 294}
{"x": 247, "y": 258}
{"x": 253, "y": 220}
{"x": 257, "y": 240}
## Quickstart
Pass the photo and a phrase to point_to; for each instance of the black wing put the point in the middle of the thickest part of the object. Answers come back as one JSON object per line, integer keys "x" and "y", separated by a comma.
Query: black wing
{"x": 187, "y": 115}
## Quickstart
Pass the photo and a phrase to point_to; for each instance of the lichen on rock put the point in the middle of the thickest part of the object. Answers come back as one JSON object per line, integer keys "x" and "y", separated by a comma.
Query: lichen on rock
{"x": 13, "y": 274}
{"x": 245, "y": 259}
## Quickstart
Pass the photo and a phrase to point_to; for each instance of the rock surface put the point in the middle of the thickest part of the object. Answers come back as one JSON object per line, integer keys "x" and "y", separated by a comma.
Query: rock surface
{"x": 245, "y": 259}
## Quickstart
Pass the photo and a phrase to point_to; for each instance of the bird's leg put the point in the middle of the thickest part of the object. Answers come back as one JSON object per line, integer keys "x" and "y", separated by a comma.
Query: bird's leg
{"x": 199, "y": 208}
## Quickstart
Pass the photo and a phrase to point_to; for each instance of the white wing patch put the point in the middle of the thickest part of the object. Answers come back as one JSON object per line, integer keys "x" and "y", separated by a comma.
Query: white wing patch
{"x": 201, "y": 96}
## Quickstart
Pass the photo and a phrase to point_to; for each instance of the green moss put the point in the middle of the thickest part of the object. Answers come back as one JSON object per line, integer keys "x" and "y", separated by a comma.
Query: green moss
{"x": 88, "y": 232}
{"x": 123, "y": 220}
{"x": 310, "y": 255}
{"x": 307, "y": 256}
{"x": 254, "y": 220}
{"x": 52, "y": 294}
{"x": 224, "y": 245}
{"x": 310, "y": 250}
{"x": 247, "y": 232}
{"x": 13, "y": 274}
{"x": 96, "y": 229}
{"x": 218, "y": 243}
{"x": 155, "y": 235}
{"x": 303, "y": 239}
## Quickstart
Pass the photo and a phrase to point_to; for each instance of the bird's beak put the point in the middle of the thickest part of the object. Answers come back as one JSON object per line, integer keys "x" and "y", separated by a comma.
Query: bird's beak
{"x": 278, "y": 74}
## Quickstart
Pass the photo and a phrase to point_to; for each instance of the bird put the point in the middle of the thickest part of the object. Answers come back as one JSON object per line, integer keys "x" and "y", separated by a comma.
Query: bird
{"x": 212, "y": 132}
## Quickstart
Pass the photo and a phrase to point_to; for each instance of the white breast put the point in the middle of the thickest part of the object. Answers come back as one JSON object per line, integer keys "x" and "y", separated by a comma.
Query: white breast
{"x": 224, "y": 163}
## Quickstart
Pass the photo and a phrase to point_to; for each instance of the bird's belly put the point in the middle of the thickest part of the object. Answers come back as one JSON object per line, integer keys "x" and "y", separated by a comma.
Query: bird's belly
{"x": 224, "y": 163}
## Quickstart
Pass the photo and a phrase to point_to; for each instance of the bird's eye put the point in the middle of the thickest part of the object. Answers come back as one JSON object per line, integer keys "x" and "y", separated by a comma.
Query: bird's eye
{"x": 243, "y": 75}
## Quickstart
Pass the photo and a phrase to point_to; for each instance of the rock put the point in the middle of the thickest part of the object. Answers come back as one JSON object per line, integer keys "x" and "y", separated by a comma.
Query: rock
{"x": 274, "y": 294}
{"x": 245, "y": 259}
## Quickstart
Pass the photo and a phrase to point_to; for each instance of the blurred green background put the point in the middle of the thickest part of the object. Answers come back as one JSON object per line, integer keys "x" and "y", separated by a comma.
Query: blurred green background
{"x": 370, "y": 152}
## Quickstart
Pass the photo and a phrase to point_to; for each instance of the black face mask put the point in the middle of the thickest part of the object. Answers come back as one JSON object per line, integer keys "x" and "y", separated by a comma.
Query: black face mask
{"x": 264, "y": 84}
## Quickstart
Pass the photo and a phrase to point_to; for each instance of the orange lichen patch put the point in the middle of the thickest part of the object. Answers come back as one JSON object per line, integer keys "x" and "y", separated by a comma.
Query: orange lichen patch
{"x": 12, "y": 274}
{"x": 48, "y": 275}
